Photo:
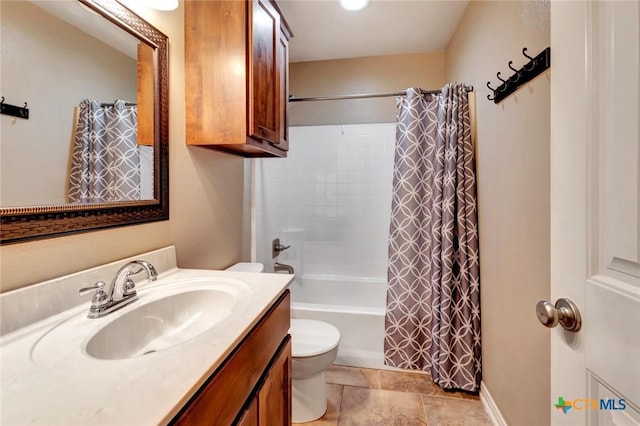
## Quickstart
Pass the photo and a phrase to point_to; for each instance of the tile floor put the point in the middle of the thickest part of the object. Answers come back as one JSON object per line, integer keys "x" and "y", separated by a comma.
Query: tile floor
{"x": 367, "y": 397}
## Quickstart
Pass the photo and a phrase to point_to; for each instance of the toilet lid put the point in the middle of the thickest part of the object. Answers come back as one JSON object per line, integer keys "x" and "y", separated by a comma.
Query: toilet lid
{"x": 310, "y": 337}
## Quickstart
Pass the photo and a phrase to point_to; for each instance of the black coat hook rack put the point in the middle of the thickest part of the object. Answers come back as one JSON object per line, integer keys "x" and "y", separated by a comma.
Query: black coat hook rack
{"x": 14, "y": 111}
{"x": 527, "y": 72}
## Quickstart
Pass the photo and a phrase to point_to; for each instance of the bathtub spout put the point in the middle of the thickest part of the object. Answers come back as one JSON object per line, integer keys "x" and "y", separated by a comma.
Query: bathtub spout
{"x": 281, "y": 267}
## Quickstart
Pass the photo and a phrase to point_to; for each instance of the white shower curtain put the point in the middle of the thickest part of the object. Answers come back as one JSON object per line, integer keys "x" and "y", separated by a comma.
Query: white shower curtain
{"x": 105, "y": 163}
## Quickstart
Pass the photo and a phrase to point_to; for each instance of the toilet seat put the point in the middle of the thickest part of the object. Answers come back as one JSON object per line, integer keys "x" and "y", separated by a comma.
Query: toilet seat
{"x": 311, "y": 338}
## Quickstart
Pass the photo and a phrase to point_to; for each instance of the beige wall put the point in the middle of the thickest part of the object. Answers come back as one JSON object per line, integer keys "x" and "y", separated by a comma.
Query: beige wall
{"x": 374, "y": 74}
{"x": 206, "y": 202}
{"x": 207, "y": 187}
{"x": 513, "y": 201}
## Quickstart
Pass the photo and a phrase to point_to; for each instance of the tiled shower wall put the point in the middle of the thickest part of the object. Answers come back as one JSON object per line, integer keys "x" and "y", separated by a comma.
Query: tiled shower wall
{"x": 330, "y": 199}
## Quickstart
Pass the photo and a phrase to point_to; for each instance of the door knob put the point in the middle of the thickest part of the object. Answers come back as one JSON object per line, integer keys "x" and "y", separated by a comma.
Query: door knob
{"x": 564, "y": 312}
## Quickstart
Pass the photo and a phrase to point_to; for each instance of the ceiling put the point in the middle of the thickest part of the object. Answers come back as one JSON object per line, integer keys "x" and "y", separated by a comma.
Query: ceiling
{"x": 323, "y": 30}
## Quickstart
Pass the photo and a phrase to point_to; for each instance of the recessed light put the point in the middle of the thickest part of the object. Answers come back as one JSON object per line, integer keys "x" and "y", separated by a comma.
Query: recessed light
{"x": 354, "y": 4}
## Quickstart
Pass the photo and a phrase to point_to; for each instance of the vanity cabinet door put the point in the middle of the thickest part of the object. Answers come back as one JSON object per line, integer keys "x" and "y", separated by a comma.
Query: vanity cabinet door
{"x": 271, "y": 404}
{"x": 250, "y": 416}
{"x": 274, "y": 397}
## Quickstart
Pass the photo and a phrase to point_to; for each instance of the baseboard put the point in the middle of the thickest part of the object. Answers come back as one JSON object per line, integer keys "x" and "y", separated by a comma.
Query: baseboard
{"x": 490, "y": 406}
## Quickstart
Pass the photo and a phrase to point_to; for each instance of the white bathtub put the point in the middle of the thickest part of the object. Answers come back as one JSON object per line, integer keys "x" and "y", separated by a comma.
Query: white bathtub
{"x": 355, "y": 305}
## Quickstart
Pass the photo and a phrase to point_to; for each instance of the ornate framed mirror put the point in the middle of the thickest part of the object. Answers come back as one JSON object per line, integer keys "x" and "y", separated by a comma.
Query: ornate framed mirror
{"x": 28, "y": 217}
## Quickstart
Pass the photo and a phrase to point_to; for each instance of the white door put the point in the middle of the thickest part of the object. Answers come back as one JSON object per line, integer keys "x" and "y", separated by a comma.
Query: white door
{"x": 595, "y": 212}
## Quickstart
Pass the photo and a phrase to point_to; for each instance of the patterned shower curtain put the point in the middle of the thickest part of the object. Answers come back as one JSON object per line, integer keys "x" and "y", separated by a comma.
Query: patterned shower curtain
{"x": 105, "y": 164}
{"x": 433, "y": 300}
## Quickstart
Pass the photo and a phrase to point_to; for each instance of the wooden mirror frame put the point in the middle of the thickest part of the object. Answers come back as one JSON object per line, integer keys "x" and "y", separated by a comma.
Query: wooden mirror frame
{"x": 19, "y": 224}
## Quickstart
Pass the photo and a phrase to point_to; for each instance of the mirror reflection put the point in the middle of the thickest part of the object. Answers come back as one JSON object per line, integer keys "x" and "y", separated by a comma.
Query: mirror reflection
{"x": 89, "y": 88}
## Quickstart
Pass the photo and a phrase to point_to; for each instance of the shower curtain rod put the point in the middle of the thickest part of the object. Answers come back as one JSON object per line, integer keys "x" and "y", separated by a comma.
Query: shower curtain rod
{"x": 112, "y": 104}
{"x": 364, "y": 95}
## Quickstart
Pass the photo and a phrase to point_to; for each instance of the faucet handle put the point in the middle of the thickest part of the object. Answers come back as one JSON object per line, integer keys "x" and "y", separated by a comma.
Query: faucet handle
{"x": 129, "y": 286}
{"x": 100, "y": 298}
{"x": 98, "y": 287}
{"x": 276, "y": 248}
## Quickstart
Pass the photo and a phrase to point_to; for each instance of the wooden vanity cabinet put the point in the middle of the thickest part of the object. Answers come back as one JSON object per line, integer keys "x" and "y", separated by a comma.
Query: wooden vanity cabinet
{"x": 236, "y": 61}
{"x": 253, "y": 385}
{"x": 271, "y": 405}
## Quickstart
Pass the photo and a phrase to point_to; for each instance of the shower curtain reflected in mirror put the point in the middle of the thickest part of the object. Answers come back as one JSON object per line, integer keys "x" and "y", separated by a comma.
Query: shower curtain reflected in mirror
{"x": 105, "y": 165}
{"x": 433, "y": 300}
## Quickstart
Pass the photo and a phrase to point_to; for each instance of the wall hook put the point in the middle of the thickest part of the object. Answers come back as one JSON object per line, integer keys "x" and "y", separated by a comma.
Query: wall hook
{"x": 516, "y": 76}
{"x": 529, "y": 71}
{"x": 14, "y": 110}
{"x": 533, "y": 65}
{"x": 493, "y": 90}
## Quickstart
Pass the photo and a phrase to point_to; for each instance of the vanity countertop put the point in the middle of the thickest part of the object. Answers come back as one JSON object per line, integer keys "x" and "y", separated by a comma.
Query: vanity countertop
{"x": 74, "y": 388}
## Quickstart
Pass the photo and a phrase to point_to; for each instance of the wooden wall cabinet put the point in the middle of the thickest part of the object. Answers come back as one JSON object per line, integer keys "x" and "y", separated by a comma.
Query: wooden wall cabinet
{"x": 237, "y": 83}
{"x": 145, "y": 97}
{"x": 253, "y": 385}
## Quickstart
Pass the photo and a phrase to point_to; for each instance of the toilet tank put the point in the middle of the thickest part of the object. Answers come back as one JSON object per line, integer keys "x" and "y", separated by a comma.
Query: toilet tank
{"x": 246, "y": 267}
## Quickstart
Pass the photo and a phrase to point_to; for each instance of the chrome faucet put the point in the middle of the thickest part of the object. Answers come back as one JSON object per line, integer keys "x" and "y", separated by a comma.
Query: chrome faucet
{"x": 277, "y": 267}
{"x": 121, "y": 291}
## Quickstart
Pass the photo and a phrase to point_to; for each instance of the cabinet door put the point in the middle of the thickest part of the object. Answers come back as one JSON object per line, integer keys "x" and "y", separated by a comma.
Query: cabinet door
{"x": 264, "y": 24}
{"x": 250, "y": 416}
{"x": 283, "y": 74}
{"x": 274, "y": 397}
{"x": 145, "y": 95}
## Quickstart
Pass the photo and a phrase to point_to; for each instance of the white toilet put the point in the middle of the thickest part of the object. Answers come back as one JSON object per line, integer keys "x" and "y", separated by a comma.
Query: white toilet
{"x": 314, "y": 348}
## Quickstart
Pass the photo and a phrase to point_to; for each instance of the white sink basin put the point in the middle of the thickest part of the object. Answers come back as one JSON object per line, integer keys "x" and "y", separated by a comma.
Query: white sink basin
{"x": 166, "y": 315}
{"x": 161, "y": 324}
